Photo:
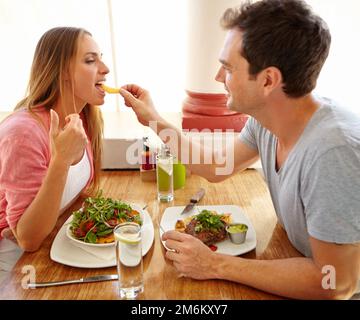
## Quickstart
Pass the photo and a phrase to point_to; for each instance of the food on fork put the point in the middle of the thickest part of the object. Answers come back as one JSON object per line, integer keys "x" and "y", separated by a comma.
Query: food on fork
{"x": 207, "y": 226}
{"x": 109, "y": 89}
{"x": 95, "y": 221}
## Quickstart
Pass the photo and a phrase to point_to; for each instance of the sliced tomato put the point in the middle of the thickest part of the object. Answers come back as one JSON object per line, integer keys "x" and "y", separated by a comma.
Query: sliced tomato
{"x": 112, "y": 222}
{"x": 89, "y": 225}
{"x": 213, "y": 247}
{"x": 79, "y": 233}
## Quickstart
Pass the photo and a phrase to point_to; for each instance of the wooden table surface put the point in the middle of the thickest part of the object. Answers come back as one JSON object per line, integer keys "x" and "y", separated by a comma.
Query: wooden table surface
{"x": 247, "y": 190}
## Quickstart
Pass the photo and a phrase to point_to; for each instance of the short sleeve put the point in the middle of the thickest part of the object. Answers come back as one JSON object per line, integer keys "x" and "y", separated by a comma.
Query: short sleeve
{"x": 331, "y": 196}
{"x": 23, "y": 165}
{"x": 248, "y": 134}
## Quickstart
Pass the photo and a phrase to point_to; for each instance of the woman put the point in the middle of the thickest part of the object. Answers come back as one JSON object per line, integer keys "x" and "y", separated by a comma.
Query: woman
{"x": 50, "y": 148}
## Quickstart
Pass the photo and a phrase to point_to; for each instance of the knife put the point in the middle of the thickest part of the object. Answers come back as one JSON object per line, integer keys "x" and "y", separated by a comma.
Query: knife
{"x": 194, "y": 200}
{"x": 82, "y": 280}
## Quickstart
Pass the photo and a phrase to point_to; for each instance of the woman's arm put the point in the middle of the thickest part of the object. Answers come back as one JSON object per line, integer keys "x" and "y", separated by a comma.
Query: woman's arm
{"x": 39, "y": 219}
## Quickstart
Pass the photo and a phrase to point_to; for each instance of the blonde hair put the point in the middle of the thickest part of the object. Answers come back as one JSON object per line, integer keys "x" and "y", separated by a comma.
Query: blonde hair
{"x": 54, "y": 54}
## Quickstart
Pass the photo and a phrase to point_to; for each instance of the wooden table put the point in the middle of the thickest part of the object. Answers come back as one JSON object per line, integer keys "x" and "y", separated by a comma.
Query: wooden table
{"x": 247, "y": 190}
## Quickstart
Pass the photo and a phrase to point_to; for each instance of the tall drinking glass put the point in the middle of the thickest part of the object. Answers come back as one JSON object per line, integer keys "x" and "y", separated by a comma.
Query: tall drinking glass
{"x": 179, "y": 173}
{"x": 129, "y": 259}
{"x": 164, "y": 174}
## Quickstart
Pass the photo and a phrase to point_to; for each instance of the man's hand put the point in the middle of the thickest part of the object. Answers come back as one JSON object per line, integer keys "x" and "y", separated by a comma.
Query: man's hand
{"x": 140, "y": 101}
{"x": 191, "y": 257}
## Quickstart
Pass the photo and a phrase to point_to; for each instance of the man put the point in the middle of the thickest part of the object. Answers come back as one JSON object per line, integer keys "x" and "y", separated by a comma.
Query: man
{"x": 309, "y": 149}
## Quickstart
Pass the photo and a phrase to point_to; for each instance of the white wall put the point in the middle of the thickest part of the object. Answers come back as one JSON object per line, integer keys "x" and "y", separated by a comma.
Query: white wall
{"x": 22, "y": 23}
{"x": 150, "y": 44}
{"x": 339, "y": 77}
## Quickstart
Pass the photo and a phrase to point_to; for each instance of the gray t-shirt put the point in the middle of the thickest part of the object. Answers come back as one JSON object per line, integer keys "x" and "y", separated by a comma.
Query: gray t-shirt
{"x": 317, "y": 190}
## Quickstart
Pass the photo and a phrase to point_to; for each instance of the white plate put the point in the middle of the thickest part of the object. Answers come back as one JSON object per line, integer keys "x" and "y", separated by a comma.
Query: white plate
{"x": 68, "y": 252}
{"x": 172, "y": 214}
{"x": 95, "y": 245}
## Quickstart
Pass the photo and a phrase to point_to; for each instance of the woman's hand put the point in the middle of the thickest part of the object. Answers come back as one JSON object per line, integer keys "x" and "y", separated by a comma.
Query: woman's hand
{"x": 68, "y": 143}
{"x": 7, "y": 233}
{"x": 140, "y": 101}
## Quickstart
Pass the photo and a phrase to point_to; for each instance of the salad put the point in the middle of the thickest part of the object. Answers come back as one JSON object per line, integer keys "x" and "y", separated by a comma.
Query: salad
{"x": 95, "y": 221}
{"x": 208, "y": 226}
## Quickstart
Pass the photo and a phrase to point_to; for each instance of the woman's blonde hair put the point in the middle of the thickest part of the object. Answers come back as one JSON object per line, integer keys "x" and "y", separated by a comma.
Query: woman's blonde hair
{"x": 54, "y": 55}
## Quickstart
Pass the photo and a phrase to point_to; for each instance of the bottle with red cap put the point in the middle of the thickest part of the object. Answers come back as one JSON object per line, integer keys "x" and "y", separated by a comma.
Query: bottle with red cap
{"x": 147, "y": 165}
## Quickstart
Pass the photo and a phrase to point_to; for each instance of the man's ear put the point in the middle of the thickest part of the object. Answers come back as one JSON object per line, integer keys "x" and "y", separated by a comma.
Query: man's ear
{"x": 272, "y": 80}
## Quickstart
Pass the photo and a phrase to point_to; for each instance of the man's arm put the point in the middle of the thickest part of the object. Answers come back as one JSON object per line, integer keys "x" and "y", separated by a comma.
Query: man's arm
{"x": 300, "y": 278}
{"x": 237, "y": 155}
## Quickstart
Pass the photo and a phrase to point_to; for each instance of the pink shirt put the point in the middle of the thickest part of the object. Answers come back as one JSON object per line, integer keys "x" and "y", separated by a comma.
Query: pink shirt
{"x": 24, "y": 160}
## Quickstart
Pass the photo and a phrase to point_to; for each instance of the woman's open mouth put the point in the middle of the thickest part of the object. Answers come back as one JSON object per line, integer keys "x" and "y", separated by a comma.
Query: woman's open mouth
{"x": 99, "y": 87}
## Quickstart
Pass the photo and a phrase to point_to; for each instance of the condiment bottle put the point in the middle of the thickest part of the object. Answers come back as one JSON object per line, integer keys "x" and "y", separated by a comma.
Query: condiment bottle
{"x": 147, "y": 166}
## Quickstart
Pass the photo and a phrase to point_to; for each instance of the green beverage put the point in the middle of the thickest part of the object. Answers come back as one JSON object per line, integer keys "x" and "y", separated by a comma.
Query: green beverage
{"x": 164, "y": 178}
{"x": 179, "y": 171}
{"x": 164, "y": 175}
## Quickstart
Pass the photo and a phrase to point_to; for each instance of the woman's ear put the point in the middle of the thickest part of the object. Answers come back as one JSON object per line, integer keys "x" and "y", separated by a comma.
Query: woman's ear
{"x": 272, "y": 80}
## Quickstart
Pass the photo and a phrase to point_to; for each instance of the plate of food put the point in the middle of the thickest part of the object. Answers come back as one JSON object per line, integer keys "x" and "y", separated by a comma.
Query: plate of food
{"x": 93, "y": 224}
{"x": 210, "y": 224}
{"x": 69, "y": 250}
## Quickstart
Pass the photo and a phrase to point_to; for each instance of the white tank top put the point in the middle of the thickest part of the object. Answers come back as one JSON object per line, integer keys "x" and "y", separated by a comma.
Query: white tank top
{"x": 76, "y": 181}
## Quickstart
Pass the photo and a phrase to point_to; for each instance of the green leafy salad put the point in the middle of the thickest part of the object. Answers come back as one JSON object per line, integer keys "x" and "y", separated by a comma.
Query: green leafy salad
{"x": 209, "y": 220}
{"x": 95, "y": 221}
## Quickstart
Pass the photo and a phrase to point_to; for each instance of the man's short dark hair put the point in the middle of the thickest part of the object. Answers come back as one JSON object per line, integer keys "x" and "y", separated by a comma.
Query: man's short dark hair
{"x": 285, "y": 34}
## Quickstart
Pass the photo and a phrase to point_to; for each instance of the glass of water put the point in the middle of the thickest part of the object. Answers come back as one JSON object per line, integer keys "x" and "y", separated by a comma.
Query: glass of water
{"x": 129, "y": 259}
